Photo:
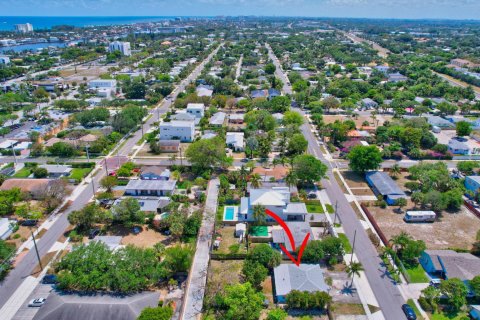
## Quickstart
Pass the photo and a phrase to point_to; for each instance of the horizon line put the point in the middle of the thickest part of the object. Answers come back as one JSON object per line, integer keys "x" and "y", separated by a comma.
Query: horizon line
{"x": 237, "y": 16}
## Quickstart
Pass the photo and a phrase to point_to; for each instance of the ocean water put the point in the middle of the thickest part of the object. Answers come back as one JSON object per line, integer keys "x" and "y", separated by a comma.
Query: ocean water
{"x": 8, "y": 23}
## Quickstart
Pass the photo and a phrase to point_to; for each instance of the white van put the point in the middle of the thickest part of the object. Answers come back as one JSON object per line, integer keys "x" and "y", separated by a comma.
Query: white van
{"x": 420, "y": 216}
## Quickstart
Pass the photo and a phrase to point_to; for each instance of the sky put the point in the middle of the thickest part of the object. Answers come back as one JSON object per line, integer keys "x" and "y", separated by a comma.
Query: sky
{"x": 415, "y": 9}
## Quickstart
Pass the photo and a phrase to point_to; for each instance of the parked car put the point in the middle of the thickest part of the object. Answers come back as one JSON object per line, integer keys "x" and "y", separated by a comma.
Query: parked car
{"x": 93, "y": 233}
{"x": 409, "y": 312}
{"x": 49, "y": 279}
{"x": 312, "y": 195}
{"x": 29, "y": 223}
{"x": 136, "y": 230}
{"x": 435, "y": 283}
{"x": 37, "y": 302}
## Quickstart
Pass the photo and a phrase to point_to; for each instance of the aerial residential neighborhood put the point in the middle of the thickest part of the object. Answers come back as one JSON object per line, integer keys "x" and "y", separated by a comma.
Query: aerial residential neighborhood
{"x": 225, "y": 166}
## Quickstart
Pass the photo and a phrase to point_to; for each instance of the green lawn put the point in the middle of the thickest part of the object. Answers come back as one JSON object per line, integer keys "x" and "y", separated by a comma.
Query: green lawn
{"x": 219, "y": 215}
{"x": 79, "y": 173}
{"x": 414, "y": 307}
{"x": 314, "y": 206}
{"x": 330, "y": 208}
{"x": 346, "y": 243}
{"x": 445, "y": 316}
{"x": 417, "y": 274}
{"x": 23, "y": 173}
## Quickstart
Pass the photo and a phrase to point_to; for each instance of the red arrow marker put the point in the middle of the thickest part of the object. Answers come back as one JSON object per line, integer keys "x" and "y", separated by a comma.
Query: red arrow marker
{"x": 290, "y": 237}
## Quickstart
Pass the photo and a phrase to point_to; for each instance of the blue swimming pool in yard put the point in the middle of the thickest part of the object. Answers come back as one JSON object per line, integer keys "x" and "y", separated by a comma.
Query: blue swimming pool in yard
{"x": 229, "y": 213}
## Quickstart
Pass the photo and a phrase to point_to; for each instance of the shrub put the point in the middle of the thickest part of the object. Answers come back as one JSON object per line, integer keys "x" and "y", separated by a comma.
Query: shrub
{"x": 425, "y": 304}
{"x": 277, "y": 314}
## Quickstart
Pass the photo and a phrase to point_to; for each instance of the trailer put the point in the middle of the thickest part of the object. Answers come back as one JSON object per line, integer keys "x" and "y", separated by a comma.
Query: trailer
{"x": 420, "y": 216}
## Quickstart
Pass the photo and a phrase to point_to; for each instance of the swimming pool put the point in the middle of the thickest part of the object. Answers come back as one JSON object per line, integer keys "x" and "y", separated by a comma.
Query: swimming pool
{"x": 229, "y": 213}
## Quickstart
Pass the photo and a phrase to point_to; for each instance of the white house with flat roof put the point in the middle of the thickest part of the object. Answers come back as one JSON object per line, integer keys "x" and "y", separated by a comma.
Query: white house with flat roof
{"x": 235, "y": 141}
{"x": 177, "y": 130}
{"x": 277, "y": 200}
{"x": 196, "y": 109}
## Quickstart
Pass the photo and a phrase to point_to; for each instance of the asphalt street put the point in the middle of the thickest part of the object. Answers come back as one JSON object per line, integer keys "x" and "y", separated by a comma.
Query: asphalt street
{"x": 386, "y": 292}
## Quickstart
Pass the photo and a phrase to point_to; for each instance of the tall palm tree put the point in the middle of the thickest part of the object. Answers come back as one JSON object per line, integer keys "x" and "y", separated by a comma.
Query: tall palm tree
{"x": 255, "y": 180}
{"x": 291, "y": 179}
{"x": 172, "y": 158}
{"x": 259, "y": 214}
{"x": 353, "y": 269}
{"x": 395, "y": 170}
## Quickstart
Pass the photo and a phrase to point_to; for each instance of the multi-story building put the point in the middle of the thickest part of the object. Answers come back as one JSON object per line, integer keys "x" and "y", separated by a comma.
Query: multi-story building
{"x": 104, "y": 88}
{"x": 123, "y": 47}
{"x": 177, "y": 130}
{"x": 24, "y": 28}
{"x": 196, "y": 109}
{"x": 4, "y": 60}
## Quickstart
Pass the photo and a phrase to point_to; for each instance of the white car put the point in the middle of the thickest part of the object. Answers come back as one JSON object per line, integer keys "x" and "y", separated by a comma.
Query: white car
{"x": 37, "y": 302}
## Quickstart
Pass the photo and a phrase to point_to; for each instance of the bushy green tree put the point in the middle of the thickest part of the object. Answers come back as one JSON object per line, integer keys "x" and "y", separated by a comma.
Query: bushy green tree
{"x": 157, "y": 313}
{"x": 265, "y": 255}
{"x": 240, "y": 302}
{"x": 308, "y": 169}
{"x": 455, "y": 291}
{"x": 364, "y": 158}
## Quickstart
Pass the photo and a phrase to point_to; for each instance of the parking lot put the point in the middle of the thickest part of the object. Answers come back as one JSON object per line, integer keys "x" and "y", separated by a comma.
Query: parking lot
{"x": 27, "y": 313}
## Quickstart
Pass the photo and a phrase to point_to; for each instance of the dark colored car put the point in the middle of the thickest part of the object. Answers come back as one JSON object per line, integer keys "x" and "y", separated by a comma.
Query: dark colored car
{"x": 93, "y": 233}
{"x": 49, "y": 279}
{"x": 29, "y": 223}
{"x": 409, "y": 312}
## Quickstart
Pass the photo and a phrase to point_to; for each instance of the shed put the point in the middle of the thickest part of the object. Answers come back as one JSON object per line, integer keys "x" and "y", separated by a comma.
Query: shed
{"x": 383, "y": 184}
{"x": 240, "y": 230}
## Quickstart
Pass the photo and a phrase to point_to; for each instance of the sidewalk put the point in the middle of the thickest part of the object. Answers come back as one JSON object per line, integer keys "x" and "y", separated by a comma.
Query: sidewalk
{"x": 197, "y": 279}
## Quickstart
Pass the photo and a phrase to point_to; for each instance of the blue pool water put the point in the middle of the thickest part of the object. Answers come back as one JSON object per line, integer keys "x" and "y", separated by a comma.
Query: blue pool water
{"x": 229, "y": 213}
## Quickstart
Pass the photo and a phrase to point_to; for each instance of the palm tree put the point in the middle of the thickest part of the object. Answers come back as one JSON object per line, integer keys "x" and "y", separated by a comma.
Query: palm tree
{"x": 400, "y": 240}
{"x": 255, "y": 180}
{"x": 291, "y": 179}
{"x": 395, "y": 170}
{"x": 353, "y": 269}
{"x": 259, "y": 214}
{"x": 172, "y": 158}
{"x": 243, "y": 177}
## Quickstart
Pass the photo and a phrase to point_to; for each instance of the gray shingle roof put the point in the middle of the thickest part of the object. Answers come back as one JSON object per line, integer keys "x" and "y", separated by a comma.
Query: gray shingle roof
{"x": 61, "y": 306}
{"x": 384, "y": 183}
{"x": 460, "y": 265}
{"x": 306, "y": 277}
{"x": 299, "y": 231}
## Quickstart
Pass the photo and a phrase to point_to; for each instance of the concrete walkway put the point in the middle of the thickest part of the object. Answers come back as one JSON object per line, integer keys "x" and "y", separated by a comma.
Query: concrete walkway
{"x": 197, "y": 279}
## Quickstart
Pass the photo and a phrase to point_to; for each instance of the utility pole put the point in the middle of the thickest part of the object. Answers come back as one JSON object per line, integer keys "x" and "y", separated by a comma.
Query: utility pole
{"x": 14, "y": 156}
{"x": 93, "y": 188}
{"x": 88, "y": 155}
{"x": 181, "y": 160}
{"x": 353, "y": 246}
{"x": 335, "y": 218}
{"x": 106, "y": 165}
{"x": 36, "y": 250}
